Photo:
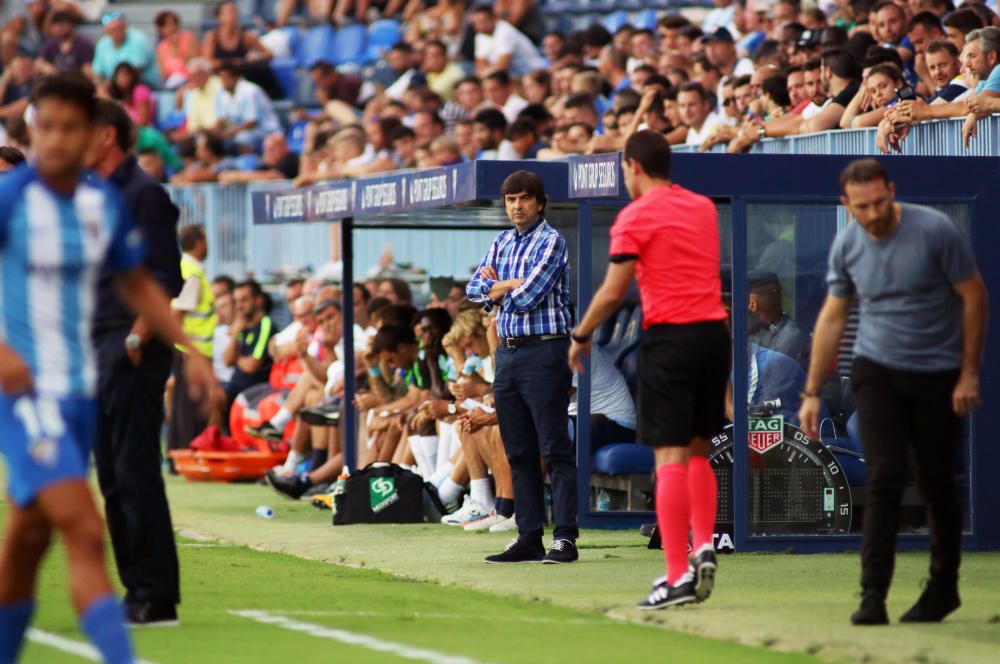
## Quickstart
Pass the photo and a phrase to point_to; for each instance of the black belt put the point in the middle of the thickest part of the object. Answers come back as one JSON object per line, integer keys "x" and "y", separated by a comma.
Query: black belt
{"x": 520, "y": 342}
{"x": 110, "y": 324}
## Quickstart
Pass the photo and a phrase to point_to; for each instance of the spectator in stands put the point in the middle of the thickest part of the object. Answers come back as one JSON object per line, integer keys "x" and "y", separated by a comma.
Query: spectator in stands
{"x": 923, "y": 28}
{"x": 25, "y": 33}
{"x": 501, "y": 46}
{"x": 427, "y": 125}
{"x": 840, "y": 78}
{"x": 10, "y": 158}
{"x": 720, "y": 48}
{"x": 210, "y": 160}
{"x": 890, "y": 28}
{"x": 249, "y": 335}
{"x": 127, "y": 88}
{"x": 175, "y": 49}
{"x": 721, "y": 17}
{"x": 497, "y": 87}
{"x": 612, "y": 411}
{"x": 442, "y": 21}
{"x": 465, "y": 137}
{"x": 121, "y": 43}
{"x": 198, "y": 99}
{"x": 768, "y": 324}
{"x": 277, "y": 163}
{"x": 331, "y": 85}
{"x": 445, "y": 151}
{"x": 317, "y": 11}
{"x": 15, "y": 86}
{"x": 442, "y": 76}
{"x": 961, "y": 23}
{"x": 400, "y": 73}
{"x": 523, "y": 139}
{"x": 245, "y": 113}
{"x": 869, "y": 106}
{"x": 230, "y": 44}
{"x": 579, "y": 108}
{"x": 65, "y": 49}
{"x": 395, "y": 290}
{"x": 696, "y": 113}
{"x": 404, "y": 144}
{"x": 152, "y": 164}
{"x": 490, "y": 129}
{"x": 944, "y": 69}
{"x": 382, "y": 8}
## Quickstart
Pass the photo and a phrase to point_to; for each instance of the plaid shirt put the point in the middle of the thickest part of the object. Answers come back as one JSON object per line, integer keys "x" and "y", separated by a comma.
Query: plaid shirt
{"x": 541, "y": 304}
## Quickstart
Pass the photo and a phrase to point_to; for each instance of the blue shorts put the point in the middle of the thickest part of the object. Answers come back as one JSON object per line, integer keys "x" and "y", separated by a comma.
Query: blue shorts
{"x": 45, "y": 441}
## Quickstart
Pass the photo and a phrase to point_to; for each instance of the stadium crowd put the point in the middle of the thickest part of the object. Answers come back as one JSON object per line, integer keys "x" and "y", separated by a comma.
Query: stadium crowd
{"x": 490, "y": 81}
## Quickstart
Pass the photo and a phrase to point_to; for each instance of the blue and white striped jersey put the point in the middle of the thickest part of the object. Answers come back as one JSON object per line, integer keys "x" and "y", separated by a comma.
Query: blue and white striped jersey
{"x": 52, "y": 248}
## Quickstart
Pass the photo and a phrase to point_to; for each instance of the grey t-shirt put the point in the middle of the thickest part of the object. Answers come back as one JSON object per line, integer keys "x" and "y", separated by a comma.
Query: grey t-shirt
{"x": 911, "y": 316}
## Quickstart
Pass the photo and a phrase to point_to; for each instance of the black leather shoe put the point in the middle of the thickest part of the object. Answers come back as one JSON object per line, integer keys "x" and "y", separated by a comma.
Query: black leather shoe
{"x": 518, "y": 551}
{"x": 151, "y": 614}
{"x": 937, "y": 601}
{"x": 562, "y": 551}
{"x": 293, "y": 487}
{"x": 872, "y": 610}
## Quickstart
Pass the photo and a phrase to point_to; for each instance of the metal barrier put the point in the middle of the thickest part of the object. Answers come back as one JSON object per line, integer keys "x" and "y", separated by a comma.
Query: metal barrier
{"x": 940, "y": 138}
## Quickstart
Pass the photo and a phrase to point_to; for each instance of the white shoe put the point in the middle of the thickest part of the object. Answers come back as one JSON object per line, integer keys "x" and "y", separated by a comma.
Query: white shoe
{"x": 505, "y": 526}
{"x": 484, "y": 524}
{"x": 282, "y": 471}
{"x": 470, "y": 511}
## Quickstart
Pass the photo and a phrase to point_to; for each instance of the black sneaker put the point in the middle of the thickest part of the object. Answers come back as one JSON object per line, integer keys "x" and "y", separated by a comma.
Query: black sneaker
{"x": 265, "y": 431}
{"x": 151, "y": 614}
{"x": 705, "y": 566}
{"x": 317, "y": 490}
{"x": 937, "y": 601}
{"x": 562, "y": 551}
{"x": 518, "y": 551}
{"x": 325, "y": 415}
{"x": 293, "y": 487}
{"x": 664, "y": 596}
{"x": 872, "y": 610}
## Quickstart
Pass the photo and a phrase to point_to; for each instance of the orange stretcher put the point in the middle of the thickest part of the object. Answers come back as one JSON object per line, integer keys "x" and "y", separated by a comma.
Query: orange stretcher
{"x": 225, "y": 466}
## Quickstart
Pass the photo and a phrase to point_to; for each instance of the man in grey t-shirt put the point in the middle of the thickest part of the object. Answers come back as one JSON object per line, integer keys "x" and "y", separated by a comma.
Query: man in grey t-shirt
{"x": 916, "y": 372}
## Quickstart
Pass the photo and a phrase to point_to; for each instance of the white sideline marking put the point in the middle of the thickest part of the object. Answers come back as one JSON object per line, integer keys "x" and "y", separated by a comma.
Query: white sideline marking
{"x": 84, "y": 650}
{"x": 351, "y": 638}
{"x": 447, "y": 616}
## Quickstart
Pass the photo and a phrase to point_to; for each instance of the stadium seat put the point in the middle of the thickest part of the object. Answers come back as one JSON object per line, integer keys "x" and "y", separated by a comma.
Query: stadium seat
{"x": 349, "y": 44}
{"x": 173, "y": 120}
{"x": 645, "y": 18}
{"x": 164, "y": 104}
{"x": 624, "y": 459}
{"x": 382, "y": 35}
{"x": 284, "y": 71}
{"x": 615, "y": 20}
{"x": 297, "y": 136}
{"x": 318, "y": 44}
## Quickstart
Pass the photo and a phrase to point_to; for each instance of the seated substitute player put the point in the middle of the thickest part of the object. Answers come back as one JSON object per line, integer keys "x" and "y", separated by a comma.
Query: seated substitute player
{"x": 48, "y": 374}
{"x": 668, "y": 238}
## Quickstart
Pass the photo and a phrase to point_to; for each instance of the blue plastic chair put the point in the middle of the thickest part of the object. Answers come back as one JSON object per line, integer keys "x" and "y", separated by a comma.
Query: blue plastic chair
{"x": 382, "y": 35}
{"x": 645, "y": 19}
{"x": 349, "y": 44}
{"x": 317, "y": 44}
{"x": 172, "y": 120}
{"x": 615, "y": 20}
{"x": 297, "y": 136}
{"x": 284, "y": 71}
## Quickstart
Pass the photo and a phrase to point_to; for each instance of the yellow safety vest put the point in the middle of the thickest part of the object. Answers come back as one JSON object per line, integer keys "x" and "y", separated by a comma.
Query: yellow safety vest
{"x": 199, "y": 324}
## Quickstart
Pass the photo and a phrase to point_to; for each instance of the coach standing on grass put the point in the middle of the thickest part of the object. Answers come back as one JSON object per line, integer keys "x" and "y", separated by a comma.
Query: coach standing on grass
{"x": 526, "y": 276}
{"x": 133, "y": 368}
{"x": 668, "y": 238}
{"x": 918, "y": 350}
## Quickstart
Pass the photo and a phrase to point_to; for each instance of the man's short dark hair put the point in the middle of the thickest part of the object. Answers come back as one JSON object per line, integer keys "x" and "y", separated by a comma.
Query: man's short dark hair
{"x": 580, "y": 100}
{"x": 888, "y": 70}
{"x": 776, "y": 87}
{"x": 525, "y": 182}
{"x": 435, "y": 118}
{"x": 214, "y": 143}
{"x": 112, "y": 114}
{"x": 858, "y": 45}
{"x": 596, "y": 36}
{"x": 812, "y": 64}
{"x": 401, "y": 132}
{"x": 841, "y": 63}
{"x": 878, "y": 55}
{"x": 929, "y": 20}
{"x": 390, "y": 337}
{"x": 254, "y": 287}
{"x": 229, "y": 67}
{"x": 500, "y": 76}
{"x": 651, "y": 151}
{"x": 939, "y": 45}
{"x": 227, "y": 281}
{"x": 492, "y": 118}
{"x": 189, "y": 236}
{"x": 658, "y": 79}
{"x": 71, "y": 87}
{"x": 536, "y": 113}
{"x": 376, "y": 305}
{"x": 11, "y": 155}
{"x": 693, "y": 86}
{"x": 965, "y": 20}
{"x": 769, "y": 48}
{"x": 482, "y": 8}
{"x": 863, "y": 171}
{"x": 522, "y": 127}
{"x": 674, "y": 22}
{"x": 475, "y": 80}
{"x": 323, "y": 67}
{"x": 365, "y": 295}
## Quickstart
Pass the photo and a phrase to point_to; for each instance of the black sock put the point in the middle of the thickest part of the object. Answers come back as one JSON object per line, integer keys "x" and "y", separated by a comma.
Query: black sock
{"x": 505, "y": 507}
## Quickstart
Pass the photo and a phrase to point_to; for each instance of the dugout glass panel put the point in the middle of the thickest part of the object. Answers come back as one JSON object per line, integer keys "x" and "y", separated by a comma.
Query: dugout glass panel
{"x": 797, "y": 486}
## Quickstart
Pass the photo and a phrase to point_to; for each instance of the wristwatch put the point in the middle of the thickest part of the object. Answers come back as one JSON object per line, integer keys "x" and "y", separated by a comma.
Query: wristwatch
{"x": 452, "y": 408}
{"x": 133, "y": 342}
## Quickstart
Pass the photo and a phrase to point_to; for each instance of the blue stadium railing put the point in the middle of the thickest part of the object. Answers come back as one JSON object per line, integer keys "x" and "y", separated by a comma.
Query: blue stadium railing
{"x": 941, "y": 138}
{"x": 236, "y": 247}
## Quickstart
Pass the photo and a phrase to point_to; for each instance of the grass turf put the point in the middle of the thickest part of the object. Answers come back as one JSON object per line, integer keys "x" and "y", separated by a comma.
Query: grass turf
{"x": 439, "y": 595}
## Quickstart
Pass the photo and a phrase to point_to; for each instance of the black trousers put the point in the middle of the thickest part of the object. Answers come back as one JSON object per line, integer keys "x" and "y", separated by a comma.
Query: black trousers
{"x": 531, "y": 390}
{"x": 127, "y": 452}
{"x": 186, "y": 418}
{"x": 902, "y": 412}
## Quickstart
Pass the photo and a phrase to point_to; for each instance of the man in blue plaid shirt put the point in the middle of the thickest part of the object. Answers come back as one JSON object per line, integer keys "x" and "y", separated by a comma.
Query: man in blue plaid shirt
{"x": 525, "y": 275}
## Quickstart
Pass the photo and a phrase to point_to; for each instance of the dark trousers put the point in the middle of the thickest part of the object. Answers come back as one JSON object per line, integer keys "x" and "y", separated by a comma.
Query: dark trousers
{"x": 186, "y": 418}
{"x": 531, "y": 390}
{"x": 127, "y": 452}
{"x": 899, "y": 412}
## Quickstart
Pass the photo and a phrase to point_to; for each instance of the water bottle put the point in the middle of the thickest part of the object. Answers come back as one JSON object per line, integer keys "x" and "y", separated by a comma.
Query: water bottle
{"x": 340, "y": 486}
{"x": 265, "y": 512}
{"x": 603, "y": 501}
